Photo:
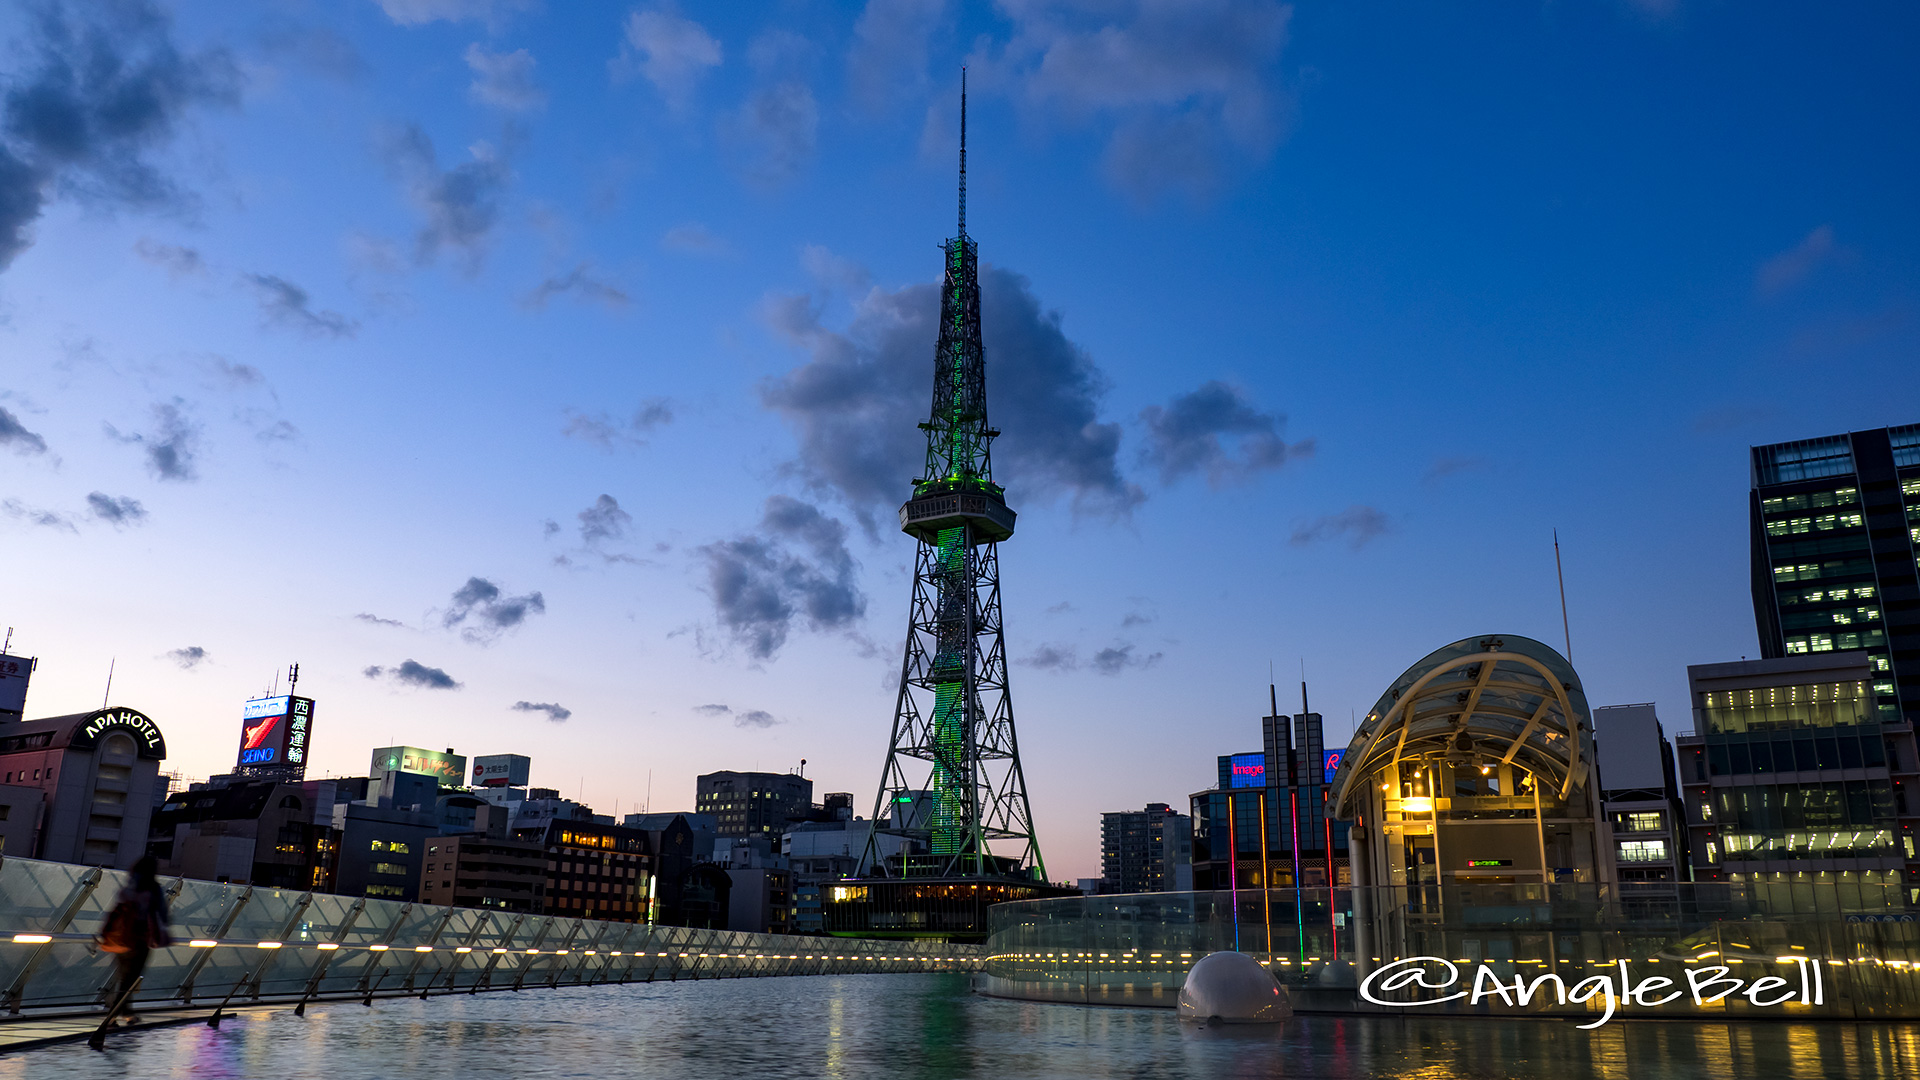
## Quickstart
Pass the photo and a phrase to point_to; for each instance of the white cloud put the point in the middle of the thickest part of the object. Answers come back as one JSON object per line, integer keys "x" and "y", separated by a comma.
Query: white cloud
{"x": 504, "y": 80}
{"x": 672, "y": 51}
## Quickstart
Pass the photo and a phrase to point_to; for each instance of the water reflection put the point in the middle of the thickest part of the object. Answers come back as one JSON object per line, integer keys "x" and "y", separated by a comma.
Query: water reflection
{"x": 894, "y": 1026}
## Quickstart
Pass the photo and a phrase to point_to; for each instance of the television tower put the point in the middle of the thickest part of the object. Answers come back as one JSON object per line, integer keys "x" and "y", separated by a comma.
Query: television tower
{"x": 952, "y": 785}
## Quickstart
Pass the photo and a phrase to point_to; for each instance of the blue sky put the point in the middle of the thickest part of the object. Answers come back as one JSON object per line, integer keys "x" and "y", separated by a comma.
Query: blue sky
{"x": 570, "y": 355}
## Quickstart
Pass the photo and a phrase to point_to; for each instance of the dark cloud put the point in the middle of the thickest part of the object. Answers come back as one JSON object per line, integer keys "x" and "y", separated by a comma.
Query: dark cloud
{"x": 491, "y": 611}
{"x": 124, "y": 510}
{"x": 286, "y": 304}
{"x": 1134, "y": 618}
{"x": 237, "y": 376}
{"x": 604, "y": 520}
{"x": 795, "y": 567}
{"x": 1113, "y": 661}
{"x": 1185, "y": 436}
{"x": 1185, "y": 90}
{"x": 1729, "y": 417}
{"x": 504, "y": 80}
{"x": 15, "y": 436}
{"x": 887, "y": 62}
{"x": 1053, "y": 658}
{"x": 368, "y": 617}
{"x": 33, "y": 515}
{"x": 608, "y": 433}
{"x": 555, "y": 713}
{"x": 414, "y": 673}
{"x": 1452, "y": 466}
{"x": 105, "y": 86}
{"x": 754, "y": 718}
{"x": 579, "y": 283}
{"x": 173, "y": 444}
{"x": 188, "y": 658}
{"x": 856, "y": 402}
{"x": 713, "y": 710}
{"x": 178, "y": 262}
{"x": 777, "y": 129}
{"x": 461, "y": 205}
{"x": 1355, "y": 524}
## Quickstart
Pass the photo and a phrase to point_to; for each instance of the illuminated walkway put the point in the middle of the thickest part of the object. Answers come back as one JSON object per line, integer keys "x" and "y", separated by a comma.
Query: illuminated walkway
{"x": 238, "y": 945}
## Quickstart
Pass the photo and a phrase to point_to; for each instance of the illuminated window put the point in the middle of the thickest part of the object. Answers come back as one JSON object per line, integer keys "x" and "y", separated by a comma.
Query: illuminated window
{"x": 1643, "y": 851}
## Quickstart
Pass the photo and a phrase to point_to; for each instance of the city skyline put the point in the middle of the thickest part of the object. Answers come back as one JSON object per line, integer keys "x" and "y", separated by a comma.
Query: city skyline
{"x": 539, "y": 380}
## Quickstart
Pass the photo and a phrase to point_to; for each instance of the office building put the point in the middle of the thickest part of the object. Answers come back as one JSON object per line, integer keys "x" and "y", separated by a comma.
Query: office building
{"x": 1148, "y": 850}
{"x": 1270, "y": 809}
{"x": 610, "y": 872}
{"x": 1794, "y": 772}
{"x": 753, "y": 803}
{"x": 1836, "y": 529}
{"x": 481, "y": 871}
{"x": 85, "y": 782}
{"x": 1640, "y": 801}
{"x": 263, "y": 832}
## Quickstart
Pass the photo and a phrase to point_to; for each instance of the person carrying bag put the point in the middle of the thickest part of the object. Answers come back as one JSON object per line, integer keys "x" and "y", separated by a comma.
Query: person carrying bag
{"x": 134, "y": 928}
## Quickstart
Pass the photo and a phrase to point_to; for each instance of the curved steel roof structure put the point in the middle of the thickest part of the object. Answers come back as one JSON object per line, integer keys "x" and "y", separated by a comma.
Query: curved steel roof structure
{"x": 1501, "y": 698}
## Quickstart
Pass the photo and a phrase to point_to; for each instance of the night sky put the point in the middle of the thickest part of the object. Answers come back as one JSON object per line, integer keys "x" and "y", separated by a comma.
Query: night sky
{"x": 543, "y": 378}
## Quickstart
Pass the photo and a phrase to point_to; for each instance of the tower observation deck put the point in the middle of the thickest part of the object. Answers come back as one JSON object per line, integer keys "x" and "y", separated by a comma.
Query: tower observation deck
{"x": 952, "y": 785}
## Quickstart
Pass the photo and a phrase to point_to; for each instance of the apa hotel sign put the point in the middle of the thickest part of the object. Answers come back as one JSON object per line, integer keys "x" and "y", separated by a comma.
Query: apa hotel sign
{"x": 135, "y": 723}
{"x": 1425, "y": 980}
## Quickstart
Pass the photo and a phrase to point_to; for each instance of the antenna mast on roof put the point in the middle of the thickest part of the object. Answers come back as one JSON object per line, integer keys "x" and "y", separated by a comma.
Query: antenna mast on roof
{"x": 109, "y": 691}
{"x": 1565, "y": 627}
{"x": 963, "y": 151}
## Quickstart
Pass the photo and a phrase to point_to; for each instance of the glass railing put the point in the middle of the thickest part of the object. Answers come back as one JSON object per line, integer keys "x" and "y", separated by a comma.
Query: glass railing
{"x": 245, "y": 944}
{"x": 1848, "y": 949}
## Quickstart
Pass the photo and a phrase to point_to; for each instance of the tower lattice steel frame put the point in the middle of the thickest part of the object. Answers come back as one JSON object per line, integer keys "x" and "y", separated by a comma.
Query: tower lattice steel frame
{"x": 954, "y": 710}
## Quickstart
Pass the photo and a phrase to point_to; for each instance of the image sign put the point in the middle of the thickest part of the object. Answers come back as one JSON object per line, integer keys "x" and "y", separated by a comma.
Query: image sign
{"x": 1249, "y": 770}
{"x": 275, "y": 730}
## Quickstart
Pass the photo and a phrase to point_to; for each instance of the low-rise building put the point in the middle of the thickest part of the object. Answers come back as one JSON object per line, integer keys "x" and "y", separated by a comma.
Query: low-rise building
{"x": 95, "y": 773}
{"x": 263, "y": 832}
{"x": 1640, "y": 801}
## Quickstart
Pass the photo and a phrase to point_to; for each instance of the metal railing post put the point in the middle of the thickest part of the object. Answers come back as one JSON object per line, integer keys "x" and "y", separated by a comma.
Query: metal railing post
{"x": 82, "y": 889}
{"x": 421, "y": 957}
{"x": 484, "y": 980}
{"x": 453, "y": 969}
{"x": 199, "y": 962}
{"x": 326, "y": 957}
{"x": 366, "y": 980}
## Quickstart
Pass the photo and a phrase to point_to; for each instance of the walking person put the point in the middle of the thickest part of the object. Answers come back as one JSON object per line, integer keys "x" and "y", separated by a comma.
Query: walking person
{"x": 135, "y": 927}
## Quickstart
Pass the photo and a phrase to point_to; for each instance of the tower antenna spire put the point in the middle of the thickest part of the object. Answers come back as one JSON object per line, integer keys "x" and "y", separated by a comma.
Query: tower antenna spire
{"x": 963, "y": 151}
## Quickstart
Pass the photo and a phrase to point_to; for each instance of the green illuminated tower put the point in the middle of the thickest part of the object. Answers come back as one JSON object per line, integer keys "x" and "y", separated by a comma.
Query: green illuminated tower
{"x": 952, "y": 785}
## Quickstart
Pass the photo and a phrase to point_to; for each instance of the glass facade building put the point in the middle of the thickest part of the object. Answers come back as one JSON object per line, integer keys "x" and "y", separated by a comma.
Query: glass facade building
{"x": 1836, "y": 529}
{"x": 1794, "y": 773}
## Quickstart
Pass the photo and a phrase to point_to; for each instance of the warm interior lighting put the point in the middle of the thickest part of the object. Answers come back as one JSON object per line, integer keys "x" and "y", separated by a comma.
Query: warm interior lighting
{"x": 423, "y": 948}
{"x": 499, "y": 950}
{"x": 378, "y": 948}
{"x": 32, "y": 939}
{"x": 266, "y": 944}
{"x": 328, "y": 946}
{"x": 464, "y": 948}
{"x": 197, "y": 943}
